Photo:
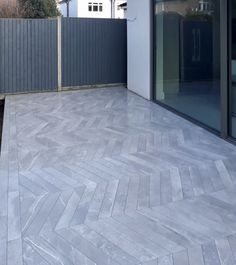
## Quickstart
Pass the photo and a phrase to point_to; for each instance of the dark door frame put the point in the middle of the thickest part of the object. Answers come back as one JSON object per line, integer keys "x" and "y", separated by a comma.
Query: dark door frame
{"x": 225, "y": 66}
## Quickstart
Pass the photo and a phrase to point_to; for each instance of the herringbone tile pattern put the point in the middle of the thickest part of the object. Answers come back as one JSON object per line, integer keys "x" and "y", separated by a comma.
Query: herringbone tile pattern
{"x": 105, "y": 177}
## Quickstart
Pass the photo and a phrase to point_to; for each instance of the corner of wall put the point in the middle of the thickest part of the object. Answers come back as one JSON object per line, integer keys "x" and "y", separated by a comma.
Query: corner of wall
{"x": 139, "y": 47}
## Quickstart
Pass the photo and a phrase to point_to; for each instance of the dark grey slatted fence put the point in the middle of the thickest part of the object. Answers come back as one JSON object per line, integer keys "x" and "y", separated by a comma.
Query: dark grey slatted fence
{"x": 28, "y": 55}
{"x": 94, "y": 51}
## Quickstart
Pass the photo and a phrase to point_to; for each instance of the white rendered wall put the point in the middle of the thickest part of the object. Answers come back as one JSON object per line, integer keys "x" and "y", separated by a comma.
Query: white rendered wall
{"x": 139, "y": 48}
{"x": 79, "y": 8}
{"x": 83, "y": 9}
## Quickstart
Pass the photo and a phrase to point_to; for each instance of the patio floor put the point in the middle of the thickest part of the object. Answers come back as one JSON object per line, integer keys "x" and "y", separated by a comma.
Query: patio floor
{"x": 106, "y": 177}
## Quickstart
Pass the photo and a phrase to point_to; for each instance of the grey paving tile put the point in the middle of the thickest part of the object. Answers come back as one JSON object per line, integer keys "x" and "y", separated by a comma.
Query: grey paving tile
{"x": 14, "y": 222}
{"x": 106, "y": 246}
{"x": 105, "y": 177}
{"x": 210, "y": 254}
{"x": 232, "y": 243}
{"x": 181, "y": 258}
{"x": 195, "y": 256}
{"x": 14, "y": 252}
{"x": 3, "y": 240}
{"x": 109, "y": 199}
{"x": 166, "y": 260}
{"x": 224, "y": 252}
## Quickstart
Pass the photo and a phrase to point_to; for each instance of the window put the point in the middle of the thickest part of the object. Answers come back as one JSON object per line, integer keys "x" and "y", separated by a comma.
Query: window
{"x": 95, "y": 7}
{"x": 204, "y": 5}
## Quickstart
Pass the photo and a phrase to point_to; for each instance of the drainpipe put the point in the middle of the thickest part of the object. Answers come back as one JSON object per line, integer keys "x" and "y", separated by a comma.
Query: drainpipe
{"x": 112, "y": 8}
{"x": 68, "y": 7}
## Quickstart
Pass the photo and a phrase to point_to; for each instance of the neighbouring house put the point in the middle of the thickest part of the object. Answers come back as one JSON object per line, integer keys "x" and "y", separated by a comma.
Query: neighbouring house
{"x": 92, "y": 8}
{"x": 123, "y": 6}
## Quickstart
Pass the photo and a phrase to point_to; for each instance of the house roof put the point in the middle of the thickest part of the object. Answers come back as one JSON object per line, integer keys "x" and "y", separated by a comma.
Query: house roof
{"x": 63, "y": 1}
{"x": 124, "y": 5}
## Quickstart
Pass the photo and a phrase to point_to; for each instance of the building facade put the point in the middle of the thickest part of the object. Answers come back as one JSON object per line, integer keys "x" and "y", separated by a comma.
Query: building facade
{"x": 182, "y": 55}
{"x": 92, "y": 8}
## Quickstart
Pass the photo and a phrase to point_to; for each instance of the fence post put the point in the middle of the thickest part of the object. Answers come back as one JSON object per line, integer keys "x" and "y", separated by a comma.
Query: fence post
{"x": 59, "y": 46}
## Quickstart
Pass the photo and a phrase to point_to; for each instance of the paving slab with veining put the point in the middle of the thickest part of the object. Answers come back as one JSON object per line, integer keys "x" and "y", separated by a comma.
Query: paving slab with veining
{"x": 106, "y": 177}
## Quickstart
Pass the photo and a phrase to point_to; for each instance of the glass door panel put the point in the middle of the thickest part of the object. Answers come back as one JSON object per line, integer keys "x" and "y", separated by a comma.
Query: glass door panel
{"x": 187, "y": 58}
{"x": 233, "y": 70}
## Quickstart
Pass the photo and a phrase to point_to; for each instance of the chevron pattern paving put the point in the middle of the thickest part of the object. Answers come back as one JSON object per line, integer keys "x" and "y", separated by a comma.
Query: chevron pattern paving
{"x": 104, "y": 177}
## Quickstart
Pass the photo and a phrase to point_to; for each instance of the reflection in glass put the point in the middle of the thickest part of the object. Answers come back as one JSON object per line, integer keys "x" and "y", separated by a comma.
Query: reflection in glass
{"x": 187, "y": 57}
{"x": 233, "y": 63}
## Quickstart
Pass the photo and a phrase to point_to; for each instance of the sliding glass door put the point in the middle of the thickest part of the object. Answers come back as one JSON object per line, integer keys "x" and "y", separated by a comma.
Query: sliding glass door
{"x": 233, "y": 70}
{"x": 187, "y": 58}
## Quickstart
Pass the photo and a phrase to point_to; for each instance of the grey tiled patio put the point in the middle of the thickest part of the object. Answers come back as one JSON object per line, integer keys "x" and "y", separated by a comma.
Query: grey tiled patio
{"x": 106, "y": 177}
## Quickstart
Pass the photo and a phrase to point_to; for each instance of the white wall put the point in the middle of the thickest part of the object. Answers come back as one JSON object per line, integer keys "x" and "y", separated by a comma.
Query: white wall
{"x": 83, "y": 9}
{"x": 79, "y": 8}
{"x": 139, "y": 52}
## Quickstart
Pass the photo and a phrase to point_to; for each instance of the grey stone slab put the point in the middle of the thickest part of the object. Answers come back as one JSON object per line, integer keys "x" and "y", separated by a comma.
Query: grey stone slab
{"x": 106, "y": 246}
{"x": 166, "y": 187}
{"x": 109, "y": 199}
{"x": 14, "y": 223}
{"x": 56, "y": 214}
{"x": 225, "y": 252}
{"x": 124, "y": 241}
{"x": 144, "y": 191}
{"x": 85, "y": 247}
{"x": 232, "y": 243}
{"x": 169, "y": 238}
{"x": 226, "y": 179}
{"x": 177, "y": 192}
{"x": 187, "y": 186}
{"x": 181, "y": 258}
{"x": 196, "y": 180}
{"x": 48, "y": 251}
{"x": 32, "y": 187}
{"x": 210, "y": 254}
{"x": 31, "y": 257}
{"x": 151, "y": 262}
{"x": 132, "y": 197}
{"x": 96, "y": 203}
{"x": 3, "y": 240}
{"x": 106, "y": 177}
{"x": 81, "y": 211}
{"x": 4, "y": 174}
{"x": 37, "y": 220}
{"x": 144, "y": 229}
{"x": 14, "y": 252}
{"x": 70, "y": 209}
{"x": 121, "y": 197}
{"x": 195, "y": 256}
{"x": 166, "y": 260}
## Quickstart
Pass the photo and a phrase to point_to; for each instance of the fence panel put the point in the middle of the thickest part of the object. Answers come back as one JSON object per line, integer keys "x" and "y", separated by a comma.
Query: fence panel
{"x": 94, "y": 51}
{"x": 28, "y": 55}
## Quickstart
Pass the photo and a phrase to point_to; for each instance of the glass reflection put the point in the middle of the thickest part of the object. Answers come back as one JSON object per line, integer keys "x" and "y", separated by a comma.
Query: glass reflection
{"x": 233, "y": 63}
{"x": 187, "y": 57}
